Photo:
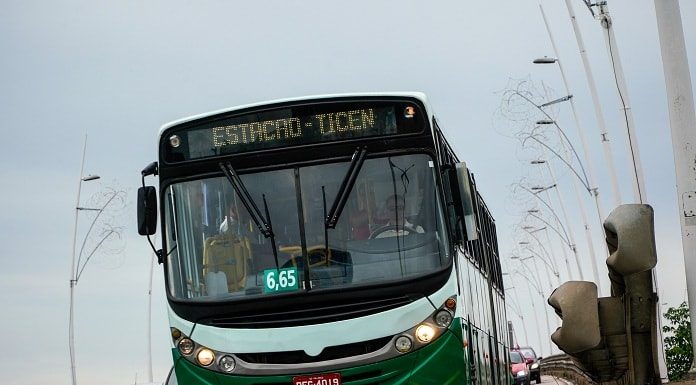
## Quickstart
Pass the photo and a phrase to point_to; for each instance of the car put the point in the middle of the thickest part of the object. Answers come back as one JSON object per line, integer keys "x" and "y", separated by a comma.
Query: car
{"x": 533, "y": 361}
{"x": 519, "y": 369}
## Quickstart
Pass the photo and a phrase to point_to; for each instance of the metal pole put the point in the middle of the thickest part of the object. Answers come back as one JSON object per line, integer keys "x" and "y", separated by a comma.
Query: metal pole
{"x": 73, "y": 273}
{"x": 591, "y": 170}
{"x": 625, "y": 108}
{"x": 682, "y": 118}
{"x": 565, "y": 255}
{"x": 604, "y": 135}
{"x": 578, "y": 127}
{"x": 149, "y": 319}
{"x": 534, "y": 312}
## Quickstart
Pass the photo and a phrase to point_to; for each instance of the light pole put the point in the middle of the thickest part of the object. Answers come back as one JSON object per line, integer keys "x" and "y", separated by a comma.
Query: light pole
{"x": 531, "y": 231}
{"x": 682, "y": 119}
{"x": 531, "y": 299}
{"x": 74, "y": 269}
{"x": 536, "y": 284}
{"x": 581, "y": 205}
{"x": 566, "y": 236}
{"x": 604, "y": 135}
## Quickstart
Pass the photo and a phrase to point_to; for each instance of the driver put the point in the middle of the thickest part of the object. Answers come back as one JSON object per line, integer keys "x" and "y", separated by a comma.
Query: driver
{"x": 396, "y": 222}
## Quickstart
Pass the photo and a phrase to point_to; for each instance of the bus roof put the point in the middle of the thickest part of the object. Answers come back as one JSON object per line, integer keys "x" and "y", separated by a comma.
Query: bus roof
{"x": 418, "y": 95}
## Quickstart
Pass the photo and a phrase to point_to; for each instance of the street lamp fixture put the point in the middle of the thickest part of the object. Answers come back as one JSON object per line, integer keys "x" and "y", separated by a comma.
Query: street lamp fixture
{"x": 545, "y": 121}
{"x": 538, "y": 189}
{"x": 538, "y": 161}
{"x": 90, "y": 177}
{"x": 532, "y": 229}
{"x": 545, "y": 60}
{"x": 559, "y": 100}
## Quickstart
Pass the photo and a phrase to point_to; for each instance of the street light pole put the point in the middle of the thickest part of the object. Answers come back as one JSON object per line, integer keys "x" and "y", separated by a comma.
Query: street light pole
{"x": 73, "y": 267}
{"x": 566, "y": 236}
{"x": 588, "y": 234}
{"x": 606, "y": 145}
{"x": 591, "y": 171}
{"x": 549, "y": 255}
{"x": 539, "y": 291}
{"x": 607, "y": 25}
{"x": 682, "y": 119}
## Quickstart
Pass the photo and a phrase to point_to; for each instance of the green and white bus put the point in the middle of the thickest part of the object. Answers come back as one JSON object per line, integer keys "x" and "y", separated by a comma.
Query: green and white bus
{"x": 330, "y": 240}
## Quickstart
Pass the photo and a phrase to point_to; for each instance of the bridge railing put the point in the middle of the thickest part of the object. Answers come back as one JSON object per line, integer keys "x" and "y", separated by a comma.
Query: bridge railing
{"x": 563, "y": 366}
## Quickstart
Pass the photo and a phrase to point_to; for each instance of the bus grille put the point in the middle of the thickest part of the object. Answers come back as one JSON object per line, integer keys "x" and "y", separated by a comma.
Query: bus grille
{"x": 329, "y": 353}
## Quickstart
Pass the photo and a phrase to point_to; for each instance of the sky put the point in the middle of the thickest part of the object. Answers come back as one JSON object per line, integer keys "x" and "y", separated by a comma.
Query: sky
{"x": 117, "y": 71}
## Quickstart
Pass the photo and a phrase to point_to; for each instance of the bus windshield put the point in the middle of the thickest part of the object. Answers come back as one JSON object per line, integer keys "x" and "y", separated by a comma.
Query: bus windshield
{"x": 391, "y": 228}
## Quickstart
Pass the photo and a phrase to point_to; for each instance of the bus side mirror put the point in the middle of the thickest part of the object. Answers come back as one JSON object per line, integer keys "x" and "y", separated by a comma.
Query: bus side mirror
{"x": 147, "y": 210}
{"x": 464, "y": 200}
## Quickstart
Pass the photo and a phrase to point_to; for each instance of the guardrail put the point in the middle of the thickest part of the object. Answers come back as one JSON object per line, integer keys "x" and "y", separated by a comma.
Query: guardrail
{"x": 563, "y": 366}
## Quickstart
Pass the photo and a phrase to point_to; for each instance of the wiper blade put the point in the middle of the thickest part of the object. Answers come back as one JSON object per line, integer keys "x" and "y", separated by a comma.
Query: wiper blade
{"x": 264, "y": 224}
{"x": 346, "y": 187}
{"x": 246, "y": 199}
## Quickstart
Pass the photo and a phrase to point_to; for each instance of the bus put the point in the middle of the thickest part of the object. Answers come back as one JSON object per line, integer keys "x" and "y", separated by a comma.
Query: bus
{"x": 328, "y": 240}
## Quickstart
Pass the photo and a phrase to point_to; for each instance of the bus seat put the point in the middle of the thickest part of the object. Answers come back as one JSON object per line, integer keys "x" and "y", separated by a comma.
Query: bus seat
{"x": 230, "y": 255}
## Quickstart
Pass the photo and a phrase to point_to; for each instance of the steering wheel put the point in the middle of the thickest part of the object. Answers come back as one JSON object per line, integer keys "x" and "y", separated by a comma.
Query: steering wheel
{"x": 405, "y": 230}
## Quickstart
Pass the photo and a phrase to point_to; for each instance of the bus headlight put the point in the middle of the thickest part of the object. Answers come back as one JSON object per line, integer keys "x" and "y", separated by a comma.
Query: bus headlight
{"x": 443, "y": 318}
{"x": 425, "y": 333}
{"x": 403, "y": 344}
{"x": 205, "y": 357}
{"x": 227, "y": 364}
{"x": 186, "y": 346}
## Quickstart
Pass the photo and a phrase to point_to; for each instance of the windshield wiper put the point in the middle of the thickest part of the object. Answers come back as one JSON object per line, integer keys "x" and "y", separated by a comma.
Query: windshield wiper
{"x": 346, "y": 187}
{"x": 264, "y": 224}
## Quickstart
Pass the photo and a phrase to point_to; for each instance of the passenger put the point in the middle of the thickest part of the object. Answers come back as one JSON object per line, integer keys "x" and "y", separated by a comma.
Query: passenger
{"x": 231, "y": 224}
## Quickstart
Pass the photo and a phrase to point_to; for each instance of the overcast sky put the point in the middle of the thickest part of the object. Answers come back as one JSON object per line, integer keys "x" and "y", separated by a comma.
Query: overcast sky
{"x": 117, "y": 71}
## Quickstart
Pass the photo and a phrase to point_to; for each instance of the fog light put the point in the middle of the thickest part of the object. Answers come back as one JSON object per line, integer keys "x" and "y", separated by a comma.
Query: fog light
{"x": 403, "y": 344}
{"x": 205, "y": 357}
{"x": 425, "y": 333}
{"x": 443, "y": 318}
{"x": 227, "y": 364}
{"x": 186, "y": 346}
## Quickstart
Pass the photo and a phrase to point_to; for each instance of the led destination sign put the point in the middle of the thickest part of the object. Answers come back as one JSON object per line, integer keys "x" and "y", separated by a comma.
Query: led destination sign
{"x": 327, "y": 125}
{"x": 291, "y": 126}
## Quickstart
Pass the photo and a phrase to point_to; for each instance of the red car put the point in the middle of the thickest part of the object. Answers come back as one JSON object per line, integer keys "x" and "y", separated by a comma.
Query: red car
{"x": 518, "y": 366}
{"x": 533, "y": 362}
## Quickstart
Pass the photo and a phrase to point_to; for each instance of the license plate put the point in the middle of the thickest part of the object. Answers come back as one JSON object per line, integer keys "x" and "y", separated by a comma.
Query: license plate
{"x": 318, "y": 379}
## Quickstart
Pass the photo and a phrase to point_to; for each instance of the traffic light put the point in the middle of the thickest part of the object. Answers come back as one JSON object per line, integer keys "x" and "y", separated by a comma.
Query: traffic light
{"x": 630, "y": 232}
{"x": 612, "y": 339}
{"x": 576, "y": 303}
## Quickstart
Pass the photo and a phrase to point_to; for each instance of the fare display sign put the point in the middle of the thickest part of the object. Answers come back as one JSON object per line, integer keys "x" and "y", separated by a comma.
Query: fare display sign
{"x": 280, "y": 280}
{"x": 318, "y": 379}
{"x": 290, "y": 126}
